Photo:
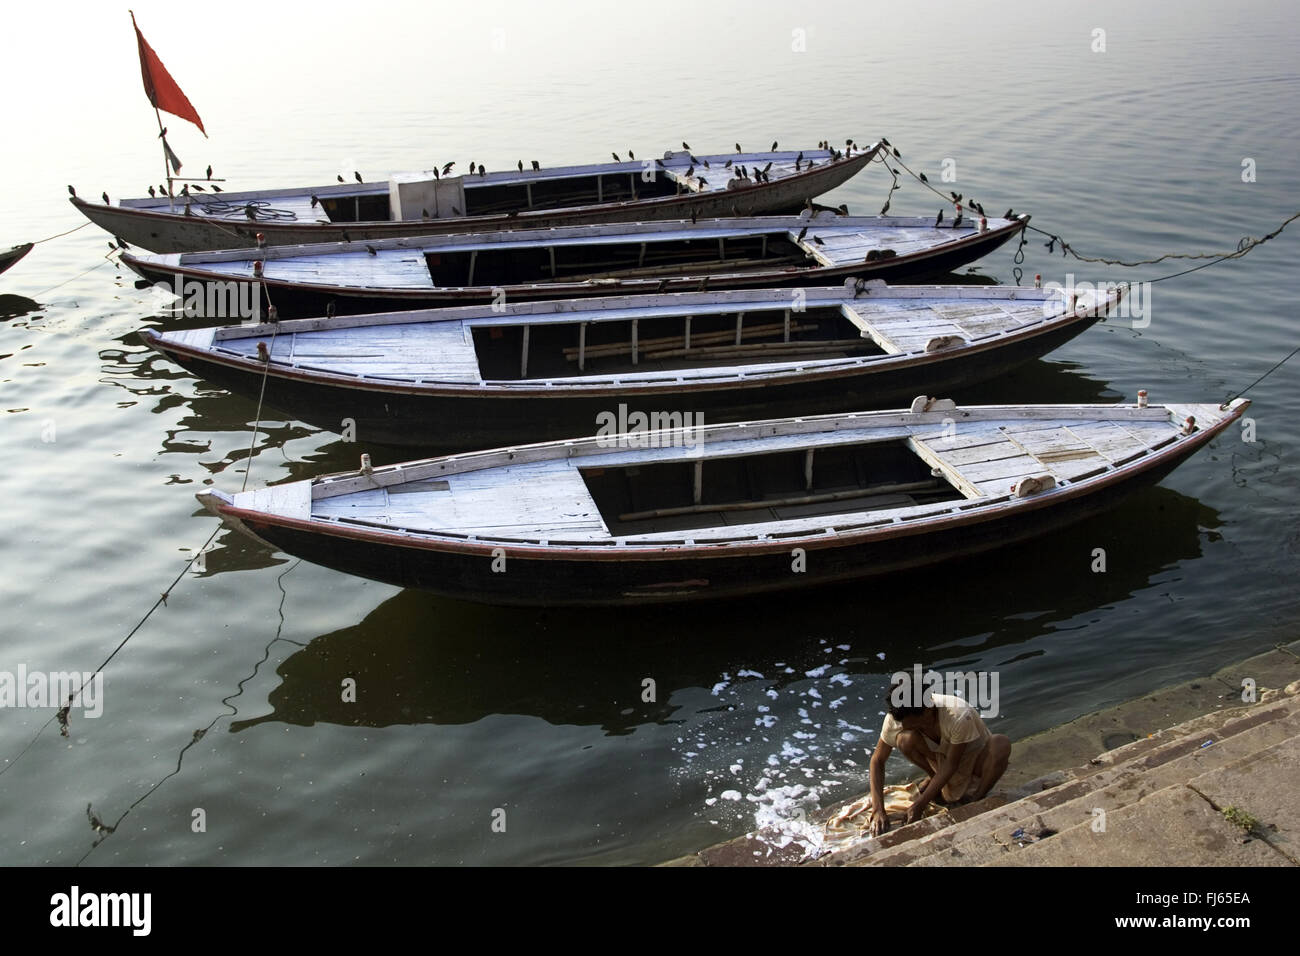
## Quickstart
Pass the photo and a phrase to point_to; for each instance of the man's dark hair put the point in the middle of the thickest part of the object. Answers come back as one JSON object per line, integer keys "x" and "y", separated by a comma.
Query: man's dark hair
{"x": 901, "y": 688}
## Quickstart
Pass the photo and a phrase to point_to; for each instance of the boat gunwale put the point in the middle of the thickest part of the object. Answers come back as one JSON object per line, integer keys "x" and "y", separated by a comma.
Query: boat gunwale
{"x": 966, "y": 513}
{"x": 817, "y": 273}
{"x": 704, "y": 379}
{"x": 861, "y": 159}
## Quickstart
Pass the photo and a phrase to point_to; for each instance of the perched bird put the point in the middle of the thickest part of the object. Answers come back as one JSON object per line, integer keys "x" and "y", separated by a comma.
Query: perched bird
{"x": 1008, "y": 214}
{"x": 802, "y": 232}
{"x": 340, "y": 179}
{"x": 922, "y": 176}
{"x": 372, "y": 250}
{"x": 152, "y": 192}
{"x": 956, "y": 197}
{"x": 185, "y": 189}
{"x": 686, "y": 146}
{"x": 774, "y": 146}
{"x": 844, "y": 209}
{"x": 163, "y": 189}
{"x": 703, "y": 181}
{"x": 536, "y": 164}
{"x": 357, "y": 175}
{"x": 811, "y": 163}
{"x": 885, "y": 141}
{"x": 706, "y": 164}
{"x": 694, "y": 160}
{"x": 105, "y": 195}
{"x": 897, "y": 154}
{"x": 121, "y": 243}
{"x": 939, "y": 218}
{"x": 616, "y": 159}
{"x": 209, "y": 170}
{"x": 435, "y": 173}
{"x": 216, "y": 188}
{"x": 738, "y": 148}
{"x": 690, "y": 172}
{"x": 481, "y": 170}
{"x": 521, "y": 165}
{"x": 957, "y": 222}
{"x": 196, "y": 186}
{"x": 818, "y": 240}
{"x": 798, "y": 165}
{"x": 767, "y": 168}
{"x": 72, "y": 192}
{"x": 447, "y": 168}
{"x": 314, "y": 200}
{"x": 738, "y": 176}
{"x": 727, "y": 164}
{"x": 630, "y": 155}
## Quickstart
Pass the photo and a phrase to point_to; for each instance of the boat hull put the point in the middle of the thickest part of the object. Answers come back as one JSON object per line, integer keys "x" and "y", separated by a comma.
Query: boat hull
{"x": 531, "y": 579}
{"x": 171, "y": 232}
{"x": 301, "y": 300}
{"x": 11, "y": 256}
{"x": 444, "y": 421}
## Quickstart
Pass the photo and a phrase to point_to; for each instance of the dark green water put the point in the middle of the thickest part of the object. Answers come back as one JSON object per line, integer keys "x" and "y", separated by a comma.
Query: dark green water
{"x": 463, "y": 710}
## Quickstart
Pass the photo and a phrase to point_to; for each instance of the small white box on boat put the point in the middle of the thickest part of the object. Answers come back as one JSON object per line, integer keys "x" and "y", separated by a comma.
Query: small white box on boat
{"x": 412, "y": 195}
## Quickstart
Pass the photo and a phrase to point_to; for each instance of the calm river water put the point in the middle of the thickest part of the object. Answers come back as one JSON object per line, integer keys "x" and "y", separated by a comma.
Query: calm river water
{"x": 763, "y": 707}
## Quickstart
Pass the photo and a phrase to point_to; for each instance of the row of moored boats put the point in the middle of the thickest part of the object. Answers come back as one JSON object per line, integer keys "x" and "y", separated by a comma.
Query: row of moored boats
{"x": 671, "y": 363}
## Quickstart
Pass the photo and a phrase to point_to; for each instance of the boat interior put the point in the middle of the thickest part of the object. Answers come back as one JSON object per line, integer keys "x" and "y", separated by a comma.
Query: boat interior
{"x": 748, "y": 489}
{"x": 663, "y": 342}
{"x": 520, "y": 264}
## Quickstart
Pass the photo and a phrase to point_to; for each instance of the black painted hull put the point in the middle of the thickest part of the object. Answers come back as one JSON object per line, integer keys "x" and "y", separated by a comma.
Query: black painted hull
{"x": 443, "y": 423}
{"x": 299, "y": 300}
{"x": 11, "y": 256}
{"x": 626, "y": 580}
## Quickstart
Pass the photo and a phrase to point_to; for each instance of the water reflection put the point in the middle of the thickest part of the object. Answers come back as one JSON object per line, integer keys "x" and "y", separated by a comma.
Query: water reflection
{"x": 417, "y": 658}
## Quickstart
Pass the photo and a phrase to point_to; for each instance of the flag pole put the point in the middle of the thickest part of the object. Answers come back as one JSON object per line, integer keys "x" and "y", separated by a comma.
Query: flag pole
{"x": 167, "y": 169}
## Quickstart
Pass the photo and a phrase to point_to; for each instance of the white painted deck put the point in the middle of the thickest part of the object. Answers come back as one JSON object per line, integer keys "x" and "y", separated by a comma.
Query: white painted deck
{"x": 539, "y": 495}
{"x": 437, "y": 346}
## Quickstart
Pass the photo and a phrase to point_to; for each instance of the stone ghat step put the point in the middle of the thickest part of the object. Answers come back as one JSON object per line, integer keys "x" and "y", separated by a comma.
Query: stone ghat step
{"x": 1185, "y": 825}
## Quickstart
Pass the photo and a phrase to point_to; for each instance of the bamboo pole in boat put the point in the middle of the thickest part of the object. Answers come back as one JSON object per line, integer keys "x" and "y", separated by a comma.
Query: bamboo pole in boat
{"x": 871, "y": 491}
{"x": 523, "y": 358}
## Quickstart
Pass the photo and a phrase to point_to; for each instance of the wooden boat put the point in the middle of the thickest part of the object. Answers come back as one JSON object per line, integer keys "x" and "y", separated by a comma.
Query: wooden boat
{"x": 574, "y": 261}
{"x": 13, "y": 255}
{"x": 677, "y": 186}
{"x": 483, "y": 376}
{"x": 726, "y": 510}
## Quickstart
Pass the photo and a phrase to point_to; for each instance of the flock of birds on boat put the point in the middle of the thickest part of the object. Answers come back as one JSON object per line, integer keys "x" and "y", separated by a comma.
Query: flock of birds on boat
{"x": 753, "y": 307}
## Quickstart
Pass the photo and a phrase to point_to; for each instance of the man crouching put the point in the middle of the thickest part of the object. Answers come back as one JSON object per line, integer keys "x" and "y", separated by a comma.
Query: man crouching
{"x": 944, "y": 737}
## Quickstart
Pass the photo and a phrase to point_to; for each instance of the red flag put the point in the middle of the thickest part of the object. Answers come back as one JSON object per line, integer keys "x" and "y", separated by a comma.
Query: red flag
{"x": 159, "y": 86}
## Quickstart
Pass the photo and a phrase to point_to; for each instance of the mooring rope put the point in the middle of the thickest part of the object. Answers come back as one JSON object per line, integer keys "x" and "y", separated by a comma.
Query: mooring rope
{"x": 62, "y": 714}
{"x": 60, "y": 235}
{"x": 98, "y": 825}
{"x": 1230, "y": 399}
{"x": 272, "y": 314}
{"x": 1244, "y": 245}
